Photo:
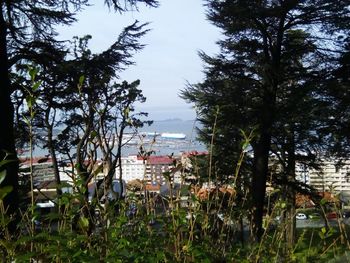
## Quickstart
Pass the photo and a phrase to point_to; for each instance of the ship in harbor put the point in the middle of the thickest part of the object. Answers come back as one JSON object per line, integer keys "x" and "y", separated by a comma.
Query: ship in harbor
{"x": 162, "y": 138}
{"x": 151, "y": 137}
{"x": 165, "y": 135}
{"x": 168, "y": 135}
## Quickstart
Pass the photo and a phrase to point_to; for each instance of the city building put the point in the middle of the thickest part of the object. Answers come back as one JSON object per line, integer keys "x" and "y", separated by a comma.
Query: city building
{"x": 149, "y": 170}
{"x": 332, "y": 177}
{"x": 133, "y": 168}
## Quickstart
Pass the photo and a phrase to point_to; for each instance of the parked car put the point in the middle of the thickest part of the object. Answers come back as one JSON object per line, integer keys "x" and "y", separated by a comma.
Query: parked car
{"x": 346, "y": 214}
{"x": 315, "y": 216}
{"x": 301, "y": 216}
{"x": 332, "y": 215}
{"x": 278, "y": 218}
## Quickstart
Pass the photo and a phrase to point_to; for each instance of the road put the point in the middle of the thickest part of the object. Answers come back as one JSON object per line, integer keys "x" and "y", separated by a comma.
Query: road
{"x": 314, "y": 223}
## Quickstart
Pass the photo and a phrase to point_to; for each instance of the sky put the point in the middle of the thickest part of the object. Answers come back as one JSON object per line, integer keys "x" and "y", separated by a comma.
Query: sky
{"x": 179, "y": 30}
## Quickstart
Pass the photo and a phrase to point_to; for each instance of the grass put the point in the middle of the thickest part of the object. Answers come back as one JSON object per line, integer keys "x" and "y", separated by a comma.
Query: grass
{"x": 162, "y": 231}
{"x": 169, "y": 229}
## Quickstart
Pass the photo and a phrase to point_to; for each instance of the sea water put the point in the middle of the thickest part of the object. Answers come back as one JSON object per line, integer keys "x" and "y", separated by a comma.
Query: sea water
{"x": 170, "y": 146}
{"x": 159, "y": 147}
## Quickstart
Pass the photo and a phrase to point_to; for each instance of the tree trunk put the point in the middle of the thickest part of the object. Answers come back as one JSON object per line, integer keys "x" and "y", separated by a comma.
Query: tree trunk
{"x": 290, "y": 192}
{"x": 7, "y": 140}
{"x": 50, "y": 144}
{"x": 261, "y": 160}
{"x": 261, "y": 157}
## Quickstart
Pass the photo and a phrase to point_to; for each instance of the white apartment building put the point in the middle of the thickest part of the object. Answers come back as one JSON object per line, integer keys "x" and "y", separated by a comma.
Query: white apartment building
{"x": 150, "y": 170}
{"x": 332, "y": 177}
{"x": 133, "y": 168}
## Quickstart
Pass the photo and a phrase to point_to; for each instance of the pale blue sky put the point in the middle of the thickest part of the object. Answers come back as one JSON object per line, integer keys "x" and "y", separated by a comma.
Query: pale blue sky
{"x": 179, "y": 31}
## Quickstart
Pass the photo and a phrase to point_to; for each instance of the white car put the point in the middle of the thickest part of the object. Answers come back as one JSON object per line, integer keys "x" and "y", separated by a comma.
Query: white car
{"x": 300, "y": 216}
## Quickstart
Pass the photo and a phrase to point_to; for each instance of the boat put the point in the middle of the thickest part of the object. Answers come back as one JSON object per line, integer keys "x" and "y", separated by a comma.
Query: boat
{"x": 149, "y": 134}
{"x": 152, "y": 134}
{"x": 168, "y": 135}
{"x": 130, "y": 140}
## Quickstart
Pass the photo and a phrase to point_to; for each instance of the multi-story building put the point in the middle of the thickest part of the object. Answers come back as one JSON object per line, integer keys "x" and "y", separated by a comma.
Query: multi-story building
{"x": 302, "y": 173}
{"x": 332, "y": 177}
{"x": 156, "y": 166}
{"x": 43, "y": 170}
{"x": 133, "y": 168}
{"x": 150, "y": 170}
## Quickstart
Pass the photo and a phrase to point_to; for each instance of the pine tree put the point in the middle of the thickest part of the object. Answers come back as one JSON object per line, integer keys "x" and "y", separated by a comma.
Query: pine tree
{"x": 270, "y": 51}
{"x": 25, "y": 26}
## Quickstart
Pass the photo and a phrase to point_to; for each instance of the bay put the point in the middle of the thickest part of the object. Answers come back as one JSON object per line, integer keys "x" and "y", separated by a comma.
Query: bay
{"x": 161, "y": 146}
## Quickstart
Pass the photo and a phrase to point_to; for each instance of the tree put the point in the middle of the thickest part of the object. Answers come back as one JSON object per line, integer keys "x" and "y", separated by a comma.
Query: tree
{"x": 253, "y": 71}
{"x": 336, "y": 91}
{"x": 23, "y": 24}
{"x": 79, "y": 93}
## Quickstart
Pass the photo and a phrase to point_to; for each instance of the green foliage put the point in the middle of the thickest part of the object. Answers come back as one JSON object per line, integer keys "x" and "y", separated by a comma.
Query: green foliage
{"x": 273, "y": 75}
{"x": 5, "y": 191}
{"x": 263, "y": 82}
{"x": 29, "y": 36}
{"x": 175, "y": 233}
